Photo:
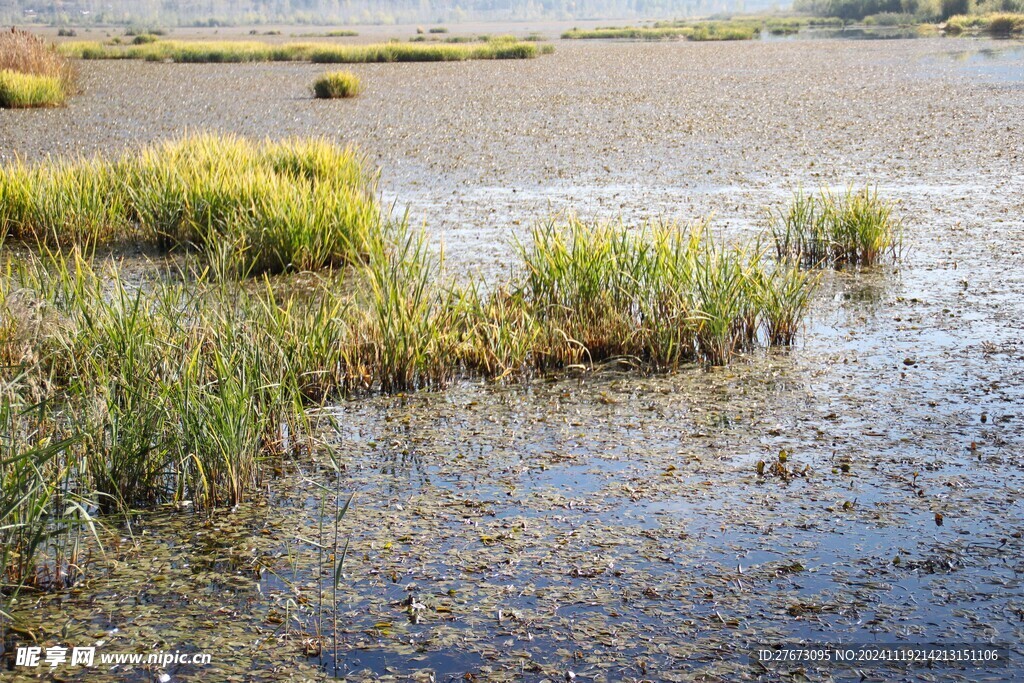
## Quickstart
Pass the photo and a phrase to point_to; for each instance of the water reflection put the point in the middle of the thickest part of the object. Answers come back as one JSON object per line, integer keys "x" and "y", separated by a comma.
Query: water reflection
{"x": 847, "y": 33}
{"x": 1000, "y": 61}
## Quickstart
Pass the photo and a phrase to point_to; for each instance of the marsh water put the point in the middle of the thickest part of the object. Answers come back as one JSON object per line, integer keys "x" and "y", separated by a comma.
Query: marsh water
{"x": 607, "y": 524}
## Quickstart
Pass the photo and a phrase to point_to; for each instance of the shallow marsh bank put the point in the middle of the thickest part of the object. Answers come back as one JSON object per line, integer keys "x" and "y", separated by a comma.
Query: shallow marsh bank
{"x": 568, "y": 525}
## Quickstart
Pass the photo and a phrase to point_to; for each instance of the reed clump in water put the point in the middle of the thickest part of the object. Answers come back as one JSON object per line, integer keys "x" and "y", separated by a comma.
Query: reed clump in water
{"x": 856, "y": 227}
{"x": 667, "y": 294}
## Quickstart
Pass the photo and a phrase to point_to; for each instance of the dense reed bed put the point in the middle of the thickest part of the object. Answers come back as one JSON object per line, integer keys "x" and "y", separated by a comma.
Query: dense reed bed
{"x": 118, "y": 395}
{"x": 665, "y": 295}
{"x": 324, "y": 53}
{"x": 336, "y": 84}
{"x": 25, "y": 91}
{"x": 700, "y": 31}
{"x": 255, "y": 207}
{"x": 855, "y": 227}
{"x": 745, "y": 27}
{"x": 32, "y": 73}
{"x": 996, "y": 23}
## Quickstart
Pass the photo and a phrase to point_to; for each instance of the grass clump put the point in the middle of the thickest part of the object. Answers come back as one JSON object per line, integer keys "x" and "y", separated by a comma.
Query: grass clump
{"x": 963, "y": 23}
{"x": 1005, "y": 24}
{"x": 337, "y": 84}
{"x": 252, "y": 207}
{"x": 145, "y": 39}
{"x": 855, "y": 227}
{"x": 32, "y": 72}
{"x": 23, "y": 91}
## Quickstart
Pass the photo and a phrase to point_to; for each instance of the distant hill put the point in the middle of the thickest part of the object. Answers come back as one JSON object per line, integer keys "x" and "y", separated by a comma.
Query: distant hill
{"x": 227, "y": 12}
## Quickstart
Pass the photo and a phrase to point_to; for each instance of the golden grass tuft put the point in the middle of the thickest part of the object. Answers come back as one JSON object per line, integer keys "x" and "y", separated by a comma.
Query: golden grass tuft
{"x": 24, "y": 91}
{"x": 337, "y": 84}
{"x": 252, "y": 207}
{"x": 996, "y": 24}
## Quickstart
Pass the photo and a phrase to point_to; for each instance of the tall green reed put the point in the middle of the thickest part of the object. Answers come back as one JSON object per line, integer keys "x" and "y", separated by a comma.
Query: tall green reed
{"x": 276, "y": 206}
{"x": 856, "y": 227}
